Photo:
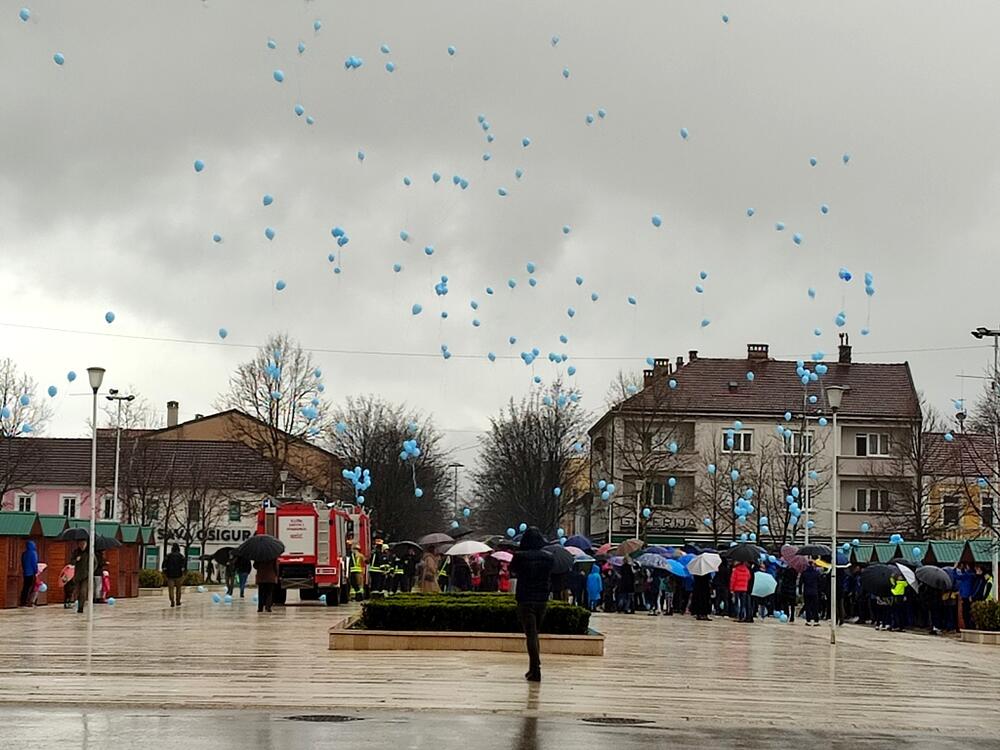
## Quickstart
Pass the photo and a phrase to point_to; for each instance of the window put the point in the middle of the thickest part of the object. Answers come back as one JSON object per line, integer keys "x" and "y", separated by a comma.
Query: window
{"x": 872, "y": 444}
{"x": 737, "y": 442}
{"x": 154, "y": 512}
{"x": 872, "y": 500}
{"x": 25, "y": 503}
{"x": 69, "y": 505}
{"x": 987, "y": 511}
{"x": 235, "y": 512}
{"x": 194, "y": 510}
{"x": 798, "y": 444}
{"x": 109, "y": 507}
{"x": 660, "y": 494}
{"x": 952, "y": 510}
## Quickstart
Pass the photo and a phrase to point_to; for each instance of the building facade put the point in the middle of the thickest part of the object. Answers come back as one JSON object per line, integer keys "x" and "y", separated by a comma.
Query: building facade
{"x": 701, "y": 434}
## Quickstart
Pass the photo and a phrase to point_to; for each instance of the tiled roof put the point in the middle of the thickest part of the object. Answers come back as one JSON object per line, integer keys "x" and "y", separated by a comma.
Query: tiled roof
{"x": 707, "y": 385}
{"x": 14, "y": 523}
{"x": 969, "y": 455}
{"x": 228, "y": 465}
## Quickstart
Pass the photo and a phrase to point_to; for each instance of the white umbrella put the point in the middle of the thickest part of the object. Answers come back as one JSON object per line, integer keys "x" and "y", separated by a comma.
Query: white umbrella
{"x": 909, "y": 575}
{"x": 763, "y": 584}
{"x": 705, "y": 563}
{"x": 469, "y": 547}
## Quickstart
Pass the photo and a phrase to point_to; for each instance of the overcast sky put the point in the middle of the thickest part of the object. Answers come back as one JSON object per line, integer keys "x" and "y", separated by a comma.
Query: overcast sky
{"x": 101, "y": 209}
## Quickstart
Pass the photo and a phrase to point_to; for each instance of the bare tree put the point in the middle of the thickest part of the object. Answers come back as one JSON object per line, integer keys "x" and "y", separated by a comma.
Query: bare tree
{"x": 527, "y": 454}
{"x": 22, "y": 414}
{"x": 373, "y": 439}
{"x": 145, "y": 469}
{"x": 282, "y": 389}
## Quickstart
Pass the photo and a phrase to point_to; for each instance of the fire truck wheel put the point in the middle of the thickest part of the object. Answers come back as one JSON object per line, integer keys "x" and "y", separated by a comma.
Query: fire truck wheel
{"x": 308, "y": 595}
{"x": 332, "y": 597}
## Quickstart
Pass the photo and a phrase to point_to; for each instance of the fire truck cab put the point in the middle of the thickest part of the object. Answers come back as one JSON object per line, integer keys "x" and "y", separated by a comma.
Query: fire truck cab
{"x": 318, "y": 543}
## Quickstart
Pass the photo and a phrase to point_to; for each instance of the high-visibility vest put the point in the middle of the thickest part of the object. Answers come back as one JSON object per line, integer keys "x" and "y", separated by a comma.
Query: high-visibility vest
{"x": 357, "y": 563}
{"x": 899, "y": 589}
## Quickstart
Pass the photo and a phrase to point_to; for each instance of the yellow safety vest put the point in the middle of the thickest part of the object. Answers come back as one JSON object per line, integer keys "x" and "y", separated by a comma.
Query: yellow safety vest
{"x": 357, "y": 563}
{"x": 900, "y": 588}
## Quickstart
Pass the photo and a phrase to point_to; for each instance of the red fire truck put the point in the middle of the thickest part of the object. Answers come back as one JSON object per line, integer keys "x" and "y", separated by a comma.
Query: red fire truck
{"x": 317, "y": 539}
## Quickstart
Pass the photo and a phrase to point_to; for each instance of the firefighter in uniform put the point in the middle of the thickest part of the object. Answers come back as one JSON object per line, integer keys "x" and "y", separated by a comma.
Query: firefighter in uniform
{"x": 398, "y": 573}
{"x": 357, "y": 574}
{"x": 381, "y": 568}
{"x": 444, "y": 573}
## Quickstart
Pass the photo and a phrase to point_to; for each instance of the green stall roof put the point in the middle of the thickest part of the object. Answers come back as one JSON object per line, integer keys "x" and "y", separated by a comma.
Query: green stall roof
{"x": 104, "y": 528}
{"x": 52, "y": 526}
{"x": 982, "y": 550}
{"x": 906, "y": 551}
{"x": 947, "y": 553}
{"x": 884, "y": 552}
{"x": 862, "y": 553}
{"x": 16, "y": 523}
{"x": 130, "y": 533}
{"x": 148, "y": 534}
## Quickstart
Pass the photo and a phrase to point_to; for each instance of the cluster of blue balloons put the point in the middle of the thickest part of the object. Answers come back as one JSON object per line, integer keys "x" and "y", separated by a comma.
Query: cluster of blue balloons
{"x": 340, "y": 235}
{"x": 361, "y": 479}
{"x": 607, "y": 490}
{"x": 410, "y": 450}
{"x": 353, "y": 63}
{"x": 441, "y": 288}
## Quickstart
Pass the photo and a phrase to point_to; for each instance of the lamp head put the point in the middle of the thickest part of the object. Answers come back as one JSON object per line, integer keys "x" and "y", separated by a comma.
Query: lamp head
{"x": 96, "y": 375}
{"x": 834, "y": 395}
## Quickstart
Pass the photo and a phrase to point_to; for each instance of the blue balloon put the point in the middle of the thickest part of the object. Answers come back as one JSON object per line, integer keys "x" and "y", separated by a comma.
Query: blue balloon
{"x": 797, "y": 238}
{"x": 317, "y": 25}
{"x": 631, "y": 300}
{"x": 846, "y": 158}
{"x": 699, "y": 288}
{"x": 384, "y": 49}
{"x": 602, "y": 113}
{"x": 216, "y": 598}
{"x": 59, "y": 58}
{"x": 523, "y": 527}
{"x": 511, "y": 533}
{"x": 279, "y": 75}
{"x": 779, "y": 226}
{"x": 396, "y": 267}
{"x": 70, "y": 376}
{"x": 429, "y": 250}
{"x": 518, "y": 173}
{"x": 24, "y": 14}
{"x": 223, "y": 333}
{"x": 570, "y": 312}
{"x": 271, "y": 44}
{"x": 725, "y": 18}
{"x": 750, "y": 376}
{"x": 750, "y": 212}
{"x": 451, "y": 50}
{"x": 684, "y": 133}
{"x": 280, "y": 285}
{"x": 589, "y": 118}
{"x": 525, "y": 142}
{"x": 302, "y": 47}
{"x": 216, "y": 238}
{"x": 812, "y": 161}
{"x": 565, "y": 229}
{"x": 565, "y": 73}
{"x": 824, "y": 208}
{"x": 866, "y": 527}
{"x": 109, "y": 316}
{"x": 657, "y": 220}
{"x": 111, "y": 601}
{"x": 502, "y": 192}
{"x": 199, "y": 165}
{"x": 705, "y": 322}
{"x": 571, "y": 370}
{"x": 269, "y": 232}
{"x": 53, "y": 391}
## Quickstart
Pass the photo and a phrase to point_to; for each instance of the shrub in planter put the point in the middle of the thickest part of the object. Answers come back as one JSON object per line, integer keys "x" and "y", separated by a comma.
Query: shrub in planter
{"x": 472, "y": 612}
{"x": 193, "y": 578}
{"x": 986, "y": 615}
{"x": 150, "y": 578}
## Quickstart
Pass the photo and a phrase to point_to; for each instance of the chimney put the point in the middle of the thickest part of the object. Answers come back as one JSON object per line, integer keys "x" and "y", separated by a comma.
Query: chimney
{"x": 660, "y": 367}
{"x": 680, "y": 362}
{"x": 757, "y": 352}
{"x": 844, "y": 350}
{"x": 172, "y": 408}
{"x": 692, "y": 355}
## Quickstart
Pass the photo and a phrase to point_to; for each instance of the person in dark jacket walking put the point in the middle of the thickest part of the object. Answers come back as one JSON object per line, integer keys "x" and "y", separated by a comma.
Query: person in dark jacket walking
{"x": 267, "y": 581}
{"x": 809, "y": 581}
{"x": 788, "y": 588}
{"x": 29, "y": 569}
{"x": 532, "y": 567}
{"x": 174, "y": 567}
{"x": 243, "y": 568}
{"x": 80, "y": 560}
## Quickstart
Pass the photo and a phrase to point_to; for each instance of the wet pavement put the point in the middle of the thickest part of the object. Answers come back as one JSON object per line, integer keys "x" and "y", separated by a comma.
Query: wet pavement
{"x": 253, "y": 730}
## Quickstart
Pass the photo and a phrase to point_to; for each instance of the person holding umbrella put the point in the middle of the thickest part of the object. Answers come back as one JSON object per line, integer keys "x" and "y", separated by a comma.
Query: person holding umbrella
{"x": 81, "y": 582}
{"x": 267, "y": 581}
{"x": 532, "y": 567}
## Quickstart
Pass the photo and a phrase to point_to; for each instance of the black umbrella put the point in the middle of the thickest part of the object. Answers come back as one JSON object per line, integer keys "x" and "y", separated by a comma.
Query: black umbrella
{"x": 406, "y": 548}
{"x": 933, "y": 577}
{"x": 106, "y": 542}
{"x": 433, "y": 539}
{"x": 459, "y": 531}
{"x": 580, "y": 542}
{"x": 877, "y": 579}
{"x": 260, "y": 547}
{"x": 223, "y": 554}
{"x": 815, "y": 550}
{"x": 74, "y": 535}
{"x": 743, "y": 552}
{"x": 563, "y": 558}
{"x": 903, "y": 561}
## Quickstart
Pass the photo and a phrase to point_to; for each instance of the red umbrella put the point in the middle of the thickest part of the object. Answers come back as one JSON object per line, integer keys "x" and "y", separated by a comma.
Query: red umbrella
{"x": 604, "y": 549}
{"x": 791, "y": 556}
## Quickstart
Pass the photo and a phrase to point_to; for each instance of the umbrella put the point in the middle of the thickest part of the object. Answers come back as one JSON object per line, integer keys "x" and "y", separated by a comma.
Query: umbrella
{"x": 575, "y": 551}
{"x": 563, "y": 559}
{"x": 763, "y": 584}
{"x": 583, "y": 559}
{"x": 743, "y": 552}
{"x": 703, "y": 564}
{"x": 628, "y": 547}
{"x": 459, "y": 531}
{"x": 406, "y": 548}
{"x": 933, "y": 577}
{"x": 105, "y": 542}
{"x": 791, "y": 556}
{"x": 260, "y": 547}
{"x": 502, "y": 556}
{"x": 604, "y": 549}
{"x": 904, "y": 562}
{"x": 686, "y": 558}
{"x": 580, "y": 542}
{"x": 652, "y": 560}
{"x": 875, "y": 579}
{"x": 909, "y": 575}
{"x": 223, "y": 554}
{"x": 432, "y": 539}
{"x": 74, "y": 535}
{"x": 468, "y": 547}
{"x": 666, "y": 552}
{"x": 617, "y": 561}
{"x": 814, "y": 550}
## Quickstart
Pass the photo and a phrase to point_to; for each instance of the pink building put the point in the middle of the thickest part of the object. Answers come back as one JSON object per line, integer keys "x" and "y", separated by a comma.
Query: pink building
{"x": 51, "y": 476}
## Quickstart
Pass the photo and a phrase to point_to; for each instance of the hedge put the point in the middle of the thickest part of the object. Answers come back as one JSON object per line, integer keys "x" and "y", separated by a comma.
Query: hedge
{"x": 150, "y": 578}
{"x": 193, "y": 578}
{"x": 466, "y": 612}
{"x": 986, "y": 615}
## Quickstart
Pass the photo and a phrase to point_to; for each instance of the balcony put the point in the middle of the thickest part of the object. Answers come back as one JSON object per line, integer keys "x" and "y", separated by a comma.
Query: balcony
{"x": 872, "y": 466}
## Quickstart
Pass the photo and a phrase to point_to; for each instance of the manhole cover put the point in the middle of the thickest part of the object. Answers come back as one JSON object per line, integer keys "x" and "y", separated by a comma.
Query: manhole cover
{"x": 616, "y": 720}
{"x": 323, "y": 717}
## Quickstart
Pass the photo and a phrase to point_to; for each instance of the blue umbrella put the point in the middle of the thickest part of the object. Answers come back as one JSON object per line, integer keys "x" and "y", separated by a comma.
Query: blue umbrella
{"x": 652, "y": 560}
{"x": 676, "y": 568}
{"x": 580, "y": 542}
{"x": 657, "y": 551}
{"x": 685, "y": 559}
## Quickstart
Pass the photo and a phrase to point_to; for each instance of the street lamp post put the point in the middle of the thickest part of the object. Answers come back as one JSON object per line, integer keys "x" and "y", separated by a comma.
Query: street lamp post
{"x": 981, "y": 333}
{"x": 96, "y": 375}
{"x": 454, "y": 489}
{"x": 283, "y": 476}
{"x": 834, "y": 395}
{"x": 118, "y": 441}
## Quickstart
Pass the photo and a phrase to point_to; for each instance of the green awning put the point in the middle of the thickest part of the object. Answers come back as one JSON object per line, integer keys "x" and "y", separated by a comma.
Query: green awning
{"x": 884, "y": 552}
{"x": 148, "y": 534}
{"x": 906, "y": 551}
{"x": 947, "y": 553}
{"x": 52, "y": 526}
{"x": 862, "y": 553}
{"x": 130, "y": 533}
{"x": 16, "y": 523}
{"x": 982, "y": 550}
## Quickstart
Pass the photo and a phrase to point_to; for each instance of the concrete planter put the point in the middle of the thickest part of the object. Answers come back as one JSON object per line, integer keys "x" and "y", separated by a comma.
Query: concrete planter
{"x": 990, "y": 637}
{"x": 342, "y": 638}
{"x": 152, "y": 591}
